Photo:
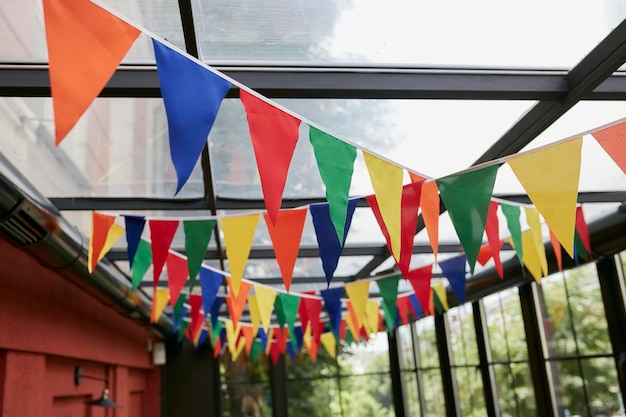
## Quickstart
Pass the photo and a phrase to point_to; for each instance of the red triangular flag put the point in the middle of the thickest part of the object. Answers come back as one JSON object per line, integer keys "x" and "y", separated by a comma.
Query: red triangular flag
{"x": 309, "y": 312}
{"x": 197, "y": 319}
{"x": 85, "y": 46}
{"x": 274, "y": 135}
{"x": 286, "y": 233}
{"x": 492, "y": 229}
{"x": 484, "y": 254}
{"x": 420, "y": 281}
{"x": 408, "y": 222}
{"x": 177, "y": 274}
{"x": 161, "y": 236}
{"x": 403, "y": 309}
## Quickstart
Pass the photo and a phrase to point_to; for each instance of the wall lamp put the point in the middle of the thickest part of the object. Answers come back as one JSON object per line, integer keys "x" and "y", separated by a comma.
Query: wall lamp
{"x": 104, "y": 400}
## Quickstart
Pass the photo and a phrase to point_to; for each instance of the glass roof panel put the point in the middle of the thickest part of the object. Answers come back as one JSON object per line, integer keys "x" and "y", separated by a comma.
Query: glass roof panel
{"x": 485, "y": 32}
{"x": 118, "y": 148}
{"x": 23, "y": 39}
{"x": 433, "y": 137}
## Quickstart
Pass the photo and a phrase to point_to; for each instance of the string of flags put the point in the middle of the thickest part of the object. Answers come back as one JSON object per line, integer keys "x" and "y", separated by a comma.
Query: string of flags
{"x": 87, "y": 42}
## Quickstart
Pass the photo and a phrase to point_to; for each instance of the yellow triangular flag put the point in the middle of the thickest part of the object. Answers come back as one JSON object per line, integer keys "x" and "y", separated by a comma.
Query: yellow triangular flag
{"x": 330, "y": 343}
{"x": 232, "y": 333}
{"x": 358, "y": 292}
{"x": 255, "y": 315}
{"x": 372, "y": 316}
{"x": 239, "y": 349}
{"x": 238, "y": 236}
{"x": 270, "y": 338}
{"x": 532, "y": 218}
{"x": 530, "y": 257}
{"x": 307, "y": 338}
{"x": 387, "y": 183}
{"x": 265, "y": 298}
{"x": 441, "y": 294}
{"x": 550, "y": 177}
{"x": 159, "y": 301}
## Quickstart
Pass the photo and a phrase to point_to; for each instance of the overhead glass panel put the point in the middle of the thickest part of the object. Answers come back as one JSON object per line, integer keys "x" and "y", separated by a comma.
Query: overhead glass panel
{"x": 118, "y": 148}
{"x": 485, "y": 32}
{"x": 23, "y": 36}
{"x": 432, "y": 137}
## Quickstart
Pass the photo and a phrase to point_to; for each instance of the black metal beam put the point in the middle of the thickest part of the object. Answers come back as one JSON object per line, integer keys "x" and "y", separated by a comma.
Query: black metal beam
{"x": 484, "y": 357}
{"x": 28, "y": 80}
{"x": 448, "y": 378}
{"x": 397, "y": 386}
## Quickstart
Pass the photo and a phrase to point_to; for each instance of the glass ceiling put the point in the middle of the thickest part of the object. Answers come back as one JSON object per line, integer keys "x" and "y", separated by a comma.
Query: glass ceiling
{"x": 120, "y": 146}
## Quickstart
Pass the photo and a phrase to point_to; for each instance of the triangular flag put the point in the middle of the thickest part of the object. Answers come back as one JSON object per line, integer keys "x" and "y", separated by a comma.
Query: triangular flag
{"x": 265, "y": 297}
{"x": 556, "y": 246}
{"x": 180, "y": 311}
{"x": 484, "y": 255}
{"x": 254, "y": 311}
{"x": 403, "y": 309}
{"x": 176, "y": 275}
{"x": 248, "y": 334}
{"x": 100, "y": 225}
{"x": 216, "y": 329}
{"x": 332, "y": 303}
{"x": 238, "y": 236}
{"x": 286, "y": 232}
{"x": 161, "y": 234}
{"x": 454, "y": 270}
{"x": 390, "y": 319}
{"x": 531, "y": 257}
{"x": 286, "y": 306}
{"x": 215, "y": 309}
{"x": 467, "y": 197}
{"x": 299, "y": 335}
{"x": 372, "y": 315}
{"x": 85, "y": 46}
{"x": 255, "y": 352}
{"x": 274, "y": 135}
{"x": 386, "y": 180}
{"x": 420, "y": 281}
{"x": 550, "y": 178}
{"x": 352, "y": 321}
{"x": 415, "y": 306}
{"x": 309, "y": 311}
{"x": 389, "y": 292}
{"x": 232, "y": 331}
{"x": 408, "y": 222}
{"x": 159, "y": 301}
{"x": 115, "y": 232}
{"x": 142, "y": 262}
{"x": 429, "y": 202}
{"x": 492, "y": 230}
{"x": 583, "y": 230}
{"x": 330, "y": 344}
{"x": 192, "y": 96}
{"x": 335, "y": 161}
{"x": 210, "y": 282}
{"x": 440, "y": 292}
{"x": 329, "y": 247}
{"x": 237, "y": 302}
{"x": 358, "y": 292}
{"x": 532, "y": 218}
{"x": 197, "y": 237}
{"x": 197, "y": 318}
{"x": 512, "y": 214}
{"x": 612, "y": 141}
{"x": 134, "y": 228}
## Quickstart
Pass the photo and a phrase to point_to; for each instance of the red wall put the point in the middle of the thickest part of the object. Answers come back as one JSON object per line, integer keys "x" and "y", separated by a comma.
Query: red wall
{"x": 48, "y": 326}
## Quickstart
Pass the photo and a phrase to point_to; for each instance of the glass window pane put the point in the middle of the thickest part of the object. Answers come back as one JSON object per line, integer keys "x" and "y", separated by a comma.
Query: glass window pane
{"x": 245, "y": 391}
{"x": 427, "y": 342}
{"x": 411, "y": 393}
{"x": 435, "y": 405}
{"x": 405, "y": 347}
{"x": 505, "y": 326}
{"x": 365, "y": 358}
{"x": 367, "y": 395}
{"x": 470, "y": 389}
{"x": 568, "y": 387}
{"x": 556, "y": 318}
{"x": 462, "y": 334}
{"x": 318, "y": 397}
{"x": 514, "y": 388}
{"x": 602, "y": 386}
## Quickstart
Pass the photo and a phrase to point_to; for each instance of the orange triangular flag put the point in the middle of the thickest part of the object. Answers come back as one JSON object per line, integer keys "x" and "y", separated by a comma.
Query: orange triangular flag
{"x": 612, "y": 140}
{"x": 85, "y": 45}
{"x": 115, "y": 232}
{"x": 159, "y": 301}
{"x": 286, "y": 234}
{"x": 429, "y": 202}
{"x": 238, "y": 236}
{"x": 387, "y": 183}
{"x": 484, "y": 254}
{"x": 248, "y": 334}
{"x": 358, "y": 292}
{"x": 100, "y": 226}
{"x": 236, "y": 303}
{"x": 550, "y": 177}
{"x": 556, "y": 246}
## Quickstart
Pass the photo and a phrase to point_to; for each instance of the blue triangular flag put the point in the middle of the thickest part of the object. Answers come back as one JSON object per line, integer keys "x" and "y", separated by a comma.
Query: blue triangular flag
{"x": 328, "y": 244}
{"x": 332, "y": 302}
{"x": 223, "y": 336}
{"x": 299, "y": 334}
{"x": 215, "y": 309}
{"x": 204, "y": 336}
{"x": 416, "y": 306}
{"x": 210, "y": 282}
{"x": 291, "y": 351}
{"x": 263, "y": 336}
{"x": 134, "y": 229}
{"x": 192, "y": 95}
{"x": 454, "y": 270}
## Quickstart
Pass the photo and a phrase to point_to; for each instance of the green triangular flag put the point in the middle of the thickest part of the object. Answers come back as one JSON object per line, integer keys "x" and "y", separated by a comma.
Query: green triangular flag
{"x": 512, "y": 214}
{"x": 467, "y": 198}
{"x": 286, "y": 307}
{"x": 141, "y": 263}
{"x": 581, "y": 252}
{"x": 182, "y": 299}
{"x": 335, "y": 161}
{"x": 255, "y": 351}
{"x": 215, "y": 331}
{"x": 349, "y": 338}
{"x": 197, "y": 237}
{"x": 182, "y": 328}
{"x": 389, "y": 291}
